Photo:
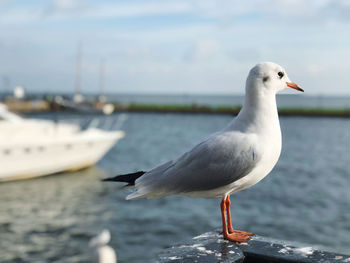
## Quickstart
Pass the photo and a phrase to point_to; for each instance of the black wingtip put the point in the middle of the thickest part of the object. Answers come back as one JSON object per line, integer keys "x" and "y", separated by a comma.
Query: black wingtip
{"x": 126, "y": 178}
{"x": 109, "y": 179}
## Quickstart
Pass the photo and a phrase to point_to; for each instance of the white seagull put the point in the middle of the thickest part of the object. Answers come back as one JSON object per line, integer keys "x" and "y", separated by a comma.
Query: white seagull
{"x": 230, "y": 160}
{"x": 100, "y": 251}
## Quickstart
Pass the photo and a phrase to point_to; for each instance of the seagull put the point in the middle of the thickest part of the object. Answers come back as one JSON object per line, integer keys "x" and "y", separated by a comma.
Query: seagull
{"x": 100, "y": 252}
{"x": 227, "y": 161}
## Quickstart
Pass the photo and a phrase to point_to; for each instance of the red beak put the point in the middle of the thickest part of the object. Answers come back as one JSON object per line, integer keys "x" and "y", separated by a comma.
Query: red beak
{"x": 294, "y": 86}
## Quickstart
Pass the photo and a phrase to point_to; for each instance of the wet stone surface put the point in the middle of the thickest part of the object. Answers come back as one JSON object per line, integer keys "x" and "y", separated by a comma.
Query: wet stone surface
{"x": 210, "y": 247}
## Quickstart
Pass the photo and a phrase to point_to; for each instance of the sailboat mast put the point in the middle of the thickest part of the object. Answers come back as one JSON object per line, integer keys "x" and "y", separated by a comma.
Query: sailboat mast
{"x": 78, "y": 71}
{"x": 101, "y": 77}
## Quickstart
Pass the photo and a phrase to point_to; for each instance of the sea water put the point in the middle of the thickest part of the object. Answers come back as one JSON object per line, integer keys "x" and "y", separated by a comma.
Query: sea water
{"x": 305, "y": 198}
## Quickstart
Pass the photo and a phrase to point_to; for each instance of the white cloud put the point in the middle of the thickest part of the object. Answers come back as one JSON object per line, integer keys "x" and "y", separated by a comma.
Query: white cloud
{"x": 19, "y": 16}
{"x": 118, "y": 10}
{"x": 66, "y": 4}
{"x": 204, "y": 49}
{"x": 225, "y": 11}
{"x": 315, "y": 68}
{"x": 5, "y": 4}
{"x": 191, "y": 49}
{"x": 76, "y": 9}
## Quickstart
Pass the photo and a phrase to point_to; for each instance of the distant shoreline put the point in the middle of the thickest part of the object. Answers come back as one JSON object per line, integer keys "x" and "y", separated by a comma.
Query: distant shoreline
{"x": 43, "y": 106}
{"x": 227, "y": 110}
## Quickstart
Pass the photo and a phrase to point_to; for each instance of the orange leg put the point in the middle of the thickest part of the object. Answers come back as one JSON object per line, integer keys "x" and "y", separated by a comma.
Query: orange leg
{"x": 229, "y": 224}
{"x": 235, "y": 237}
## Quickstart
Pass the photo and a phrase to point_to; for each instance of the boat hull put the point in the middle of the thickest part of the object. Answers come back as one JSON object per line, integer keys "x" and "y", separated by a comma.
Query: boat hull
{"x": 22, "y": 161}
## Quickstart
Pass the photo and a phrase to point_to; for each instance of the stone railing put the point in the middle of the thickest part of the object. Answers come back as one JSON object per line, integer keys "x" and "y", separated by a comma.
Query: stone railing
{"x": 211, "y": 247}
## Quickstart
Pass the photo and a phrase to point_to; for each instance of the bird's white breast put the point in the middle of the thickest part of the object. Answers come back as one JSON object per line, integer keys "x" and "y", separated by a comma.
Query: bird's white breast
{"x": 270, "y": 155}
{"x": 269, "y": 139}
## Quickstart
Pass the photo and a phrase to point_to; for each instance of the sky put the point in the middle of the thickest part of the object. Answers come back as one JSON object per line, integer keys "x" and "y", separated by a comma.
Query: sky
{"x": 173, "y": 47}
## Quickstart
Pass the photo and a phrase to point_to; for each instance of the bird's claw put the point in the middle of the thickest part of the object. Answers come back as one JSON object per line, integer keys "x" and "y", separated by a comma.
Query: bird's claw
{"x": 236, "y": 237}
{"x": 239, "y": 232}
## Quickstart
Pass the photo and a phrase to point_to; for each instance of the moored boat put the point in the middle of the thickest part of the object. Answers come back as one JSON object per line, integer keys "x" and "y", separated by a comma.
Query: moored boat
{"x": 32, "y": 147}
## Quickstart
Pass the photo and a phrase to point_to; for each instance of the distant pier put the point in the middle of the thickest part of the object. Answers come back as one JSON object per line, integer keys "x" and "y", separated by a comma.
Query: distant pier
{"x": 211, "y": 247}
{"x": 27, "y": 106}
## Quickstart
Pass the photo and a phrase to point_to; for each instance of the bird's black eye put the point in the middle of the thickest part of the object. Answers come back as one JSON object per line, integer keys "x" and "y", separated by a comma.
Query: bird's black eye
{"x": 280, "y": 74}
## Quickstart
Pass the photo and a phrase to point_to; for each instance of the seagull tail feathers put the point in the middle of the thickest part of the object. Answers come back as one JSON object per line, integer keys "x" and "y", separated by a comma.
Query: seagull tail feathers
{"x": 126, "y": 178}
{"x": 134, "y": 195}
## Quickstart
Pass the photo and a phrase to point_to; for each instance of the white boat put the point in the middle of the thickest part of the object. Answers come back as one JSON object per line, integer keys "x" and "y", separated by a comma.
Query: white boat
{"x": 31, "y": 147}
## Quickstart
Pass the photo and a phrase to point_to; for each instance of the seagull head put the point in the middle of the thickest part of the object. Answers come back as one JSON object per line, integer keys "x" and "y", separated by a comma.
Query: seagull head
{"x": 269, "y": 77}
{"x": 101, "y": 239}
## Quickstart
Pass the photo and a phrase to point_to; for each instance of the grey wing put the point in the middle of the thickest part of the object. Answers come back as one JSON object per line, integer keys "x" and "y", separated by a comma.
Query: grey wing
{"x": 218, "y": 161}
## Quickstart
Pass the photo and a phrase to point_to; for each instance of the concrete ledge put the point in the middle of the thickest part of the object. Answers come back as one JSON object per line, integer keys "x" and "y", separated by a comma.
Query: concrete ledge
{"x": 210, "y": 247}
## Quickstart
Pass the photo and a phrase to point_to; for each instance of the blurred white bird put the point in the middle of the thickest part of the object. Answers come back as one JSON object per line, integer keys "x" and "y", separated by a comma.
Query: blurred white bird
{"x": 228, "y": 161}
{"x": 100, "y": 252}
